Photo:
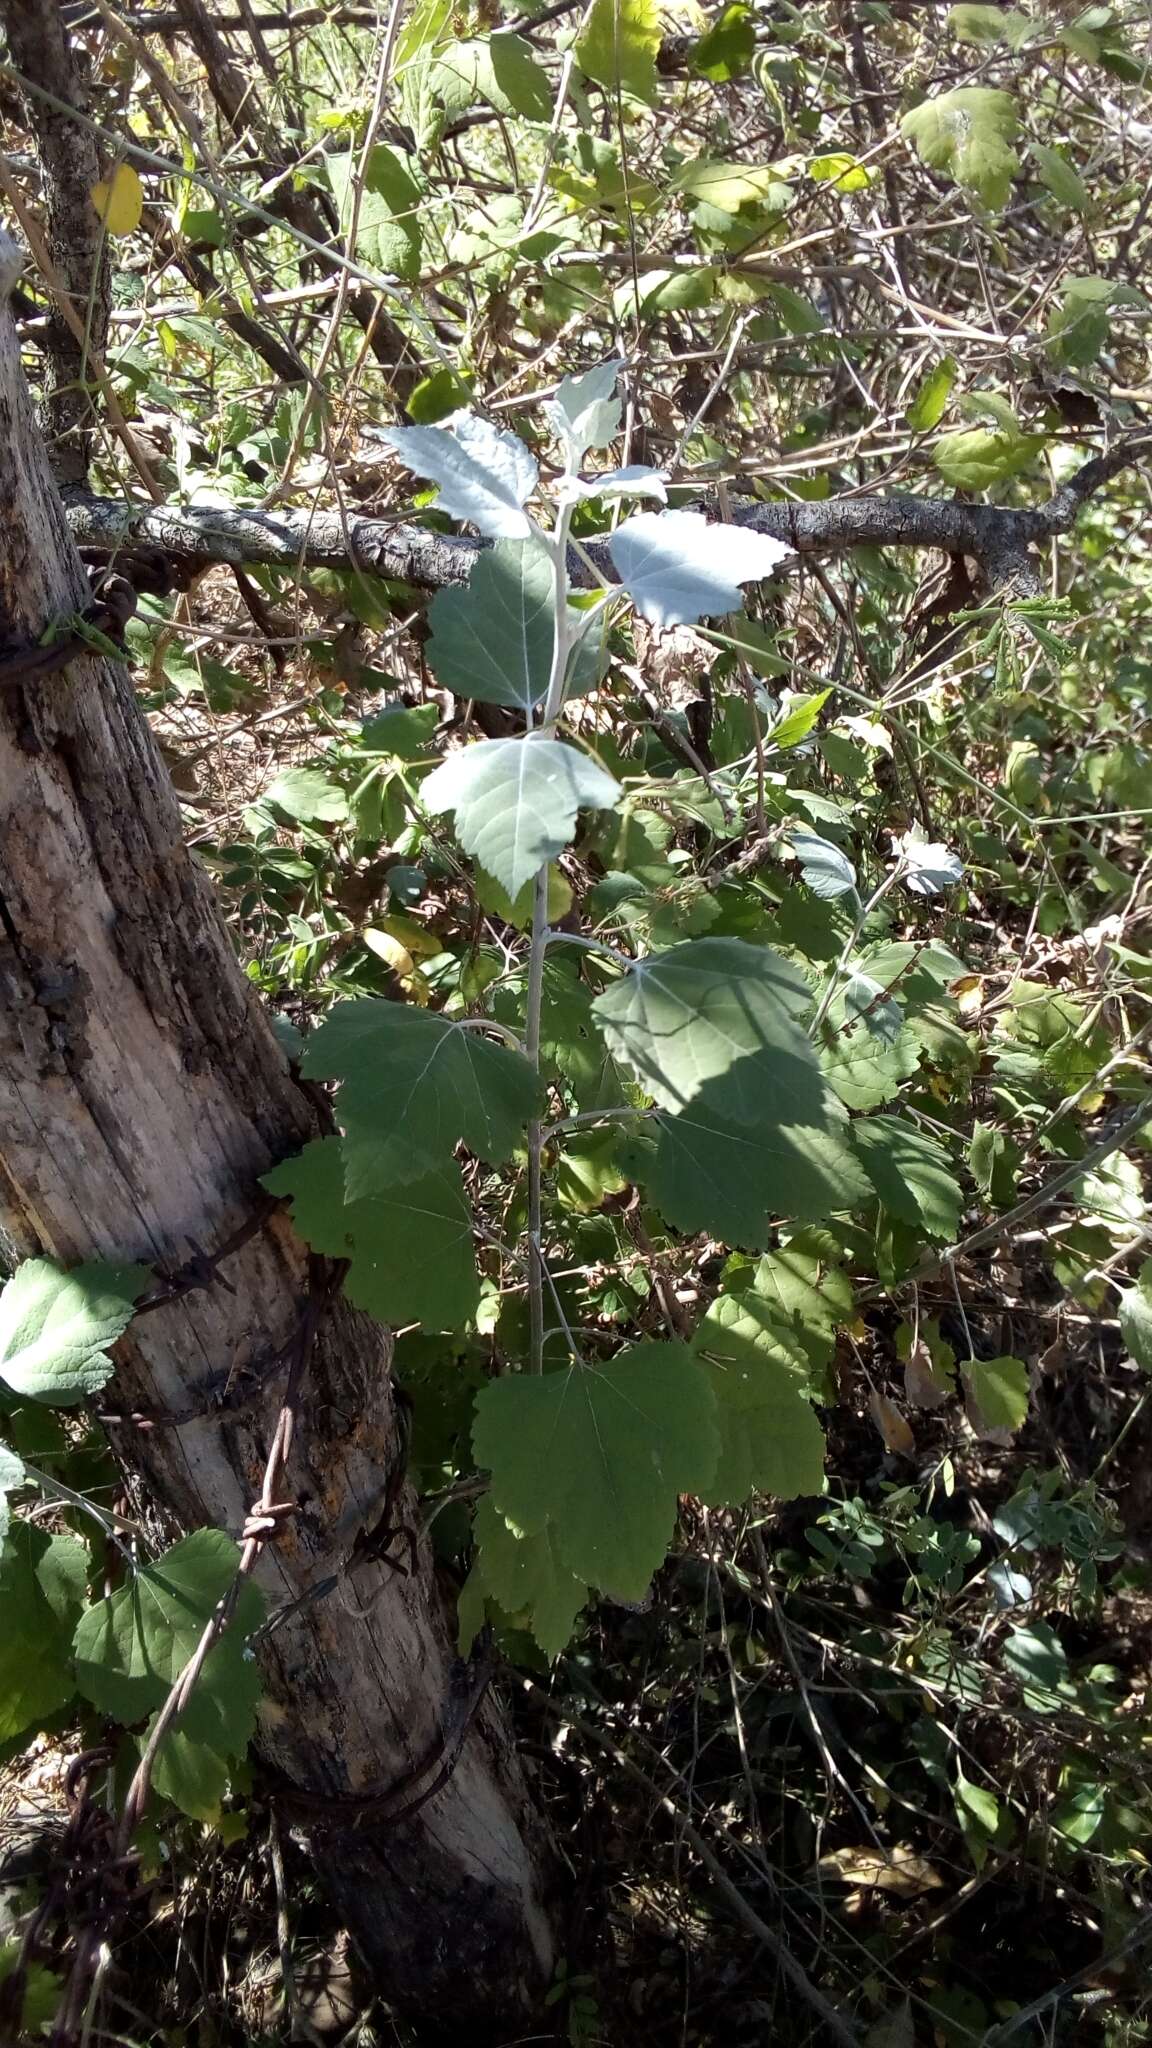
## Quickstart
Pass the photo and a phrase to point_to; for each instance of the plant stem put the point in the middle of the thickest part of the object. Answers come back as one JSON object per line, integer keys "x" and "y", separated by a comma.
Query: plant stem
{"x": 557, "y": 544}
{"x": 850, "y": 944}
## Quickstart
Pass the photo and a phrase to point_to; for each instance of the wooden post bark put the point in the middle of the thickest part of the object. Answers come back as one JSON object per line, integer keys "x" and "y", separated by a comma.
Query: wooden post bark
{"x": 142, "y": 1093}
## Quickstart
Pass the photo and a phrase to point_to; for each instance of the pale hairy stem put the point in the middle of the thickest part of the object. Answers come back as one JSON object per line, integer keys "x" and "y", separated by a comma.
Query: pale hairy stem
{"x": 557, "y": 544}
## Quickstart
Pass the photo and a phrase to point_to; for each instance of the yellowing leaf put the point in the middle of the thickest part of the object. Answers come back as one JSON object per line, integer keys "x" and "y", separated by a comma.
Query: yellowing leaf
{"x": 400, "y": 960}
{"x": 119, "y": 200}
{"x": 901, "y": 1871}
{"x": 894, "y": 1428}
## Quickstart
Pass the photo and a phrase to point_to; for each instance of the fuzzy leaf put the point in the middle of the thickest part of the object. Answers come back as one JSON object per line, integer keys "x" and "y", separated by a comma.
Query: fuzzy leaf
{"x": 410, "y": 1246}
{"x": 770, "y": 1438}
{"x": 585, "y": 412}
{"x": 56, "y": 1327}
{"x": 308, "y": 795}
{"x": 602, "y": 1454}
{"x": 493, "y": 640}
{"x": 11, "y": 1477}
{"x": 709, "y": 1174}
{"x": 968, "y": 133}
{"x": 131, "y": 1647}
{"x": 515, "y": 801}
{"x": 415, "y": 1085}
{"x": 716, "y": 1017}
{"x": 35, "y": 1649}
{"x": 826, "y": 871}
{"x": 930, "y": 866}
{"x": 484, "y": 475}
{"x": 525, "y": 1575}
{"x": 911, "y": 1174}
{"x": 678, "y": 567}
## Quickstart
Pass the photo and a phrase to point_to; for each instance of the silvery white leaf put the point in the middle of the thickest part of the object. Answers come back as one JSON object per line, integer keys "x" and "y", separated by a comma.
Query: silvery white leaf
{"x": 931, "y": 866}
{"x": 678, "y": 567}
{"x": 585, "y": 412}
{"x": 515, "y": 801}
{"x": 637, "y": 481}
{"x": 827, "y": 871}
{"x": 864, "y": 998}
{"x": 484, "y": 475}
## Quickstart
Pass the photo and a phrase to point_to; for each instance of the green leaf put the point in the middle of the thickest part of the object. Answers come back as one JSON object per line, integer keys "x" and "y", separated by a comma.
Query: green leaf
{"x": 525, "y": 1575}
{"x": 617, "y": 46}
{"x": 798, "y": 720}
{"x": 980, "y": 1803}
{"x": 969, "y": 133}
{"x": 501, "y": 69}
{"x": 826, "y": 870}
{"x": 308, "y": 796}
{"x": 493, "y": 640}
{"x": 932, "y": 394}
{"x": 189, "y": 1774}
{"x": 912, "y": 1175}
{"x": 483, "y": 474}
{"x": 726, "y": 50}
{"x": 410, "y": 1246}
{"x": 436, "y": 396}
{"x": 716, "y": 1019}
{"x": 131, "y": 1647}
{"x": 1063, "y": 181}
{"x": 35, "y": 1662}
{"x": 43, "y": 1991}
{"x": 807, "y": 1294}
{"x": 994, "y": 1158}
{"x": 56, "y": 1327}
{"x": 515, "y": 801}
{"x": 388, "y": 216}
{"x": 708, "y": 1174}
{"x": 1136, "y": 1317}
{"x": 977, "y": 459}
{"x": 11, "y": 1477}
{"x": 1078, "y": 327}
{"x": 865, "y": 1070}
{"x": 770, "y": 1438}
{"x": 997, "y": 1390}
{"x": 987, "y": 26}
{"x": 1036, "y": 1657}
{"x": 585, "y": 413}
{"x": 414, "y": 1086}
{"x": 603, "y": 1454}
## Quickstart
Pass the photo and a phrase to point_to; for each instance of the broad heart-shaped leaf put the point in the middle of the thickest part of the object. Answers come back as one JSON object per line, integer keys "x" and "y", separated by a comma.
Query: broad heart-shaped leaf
{"x": 493, "y": 640}
{"x": 11, "y": 1476}
{"x": 618, "y": 43}
{"x": 416, "y": 1085}
{"x": 997, "y": 1390}
{"x": 770, "y": 1439}
{"x": 308, "y": 795}
{"x": 484, "y": 475}
{"x": 1078, "y": 326}
{"x": 678, "y": 567}
{"x": 131, "y": 1647}
{"x": 969, "y": 133}
{"x": 931, "y": 866}
{"x": 388, "y": 215}
{"x": 911, "y": 1173}
{"x": 35, "y": 1649}
{"x": 708, "y": 1174}
{"x": 410, "y": 1246}
{"x": 55, "y": 1327}
{"x": 585, "y": 412}
{"x": 981, "y": 457}
{"x": 1136, "y": 1317}
{"x": 515, "y": 801}
{"x": 524, "y": 1574}
{"x": 716, "y": 1015}
{"x": 191, "y": 1775}
{"x": 602, "y": 1454}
